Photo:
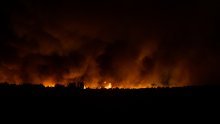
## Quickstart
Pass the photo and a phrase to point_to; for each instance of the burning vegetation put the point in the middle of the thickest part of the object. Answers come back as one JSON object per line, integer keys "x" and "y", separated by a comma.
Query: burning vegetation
{"x": 119, "y": 45}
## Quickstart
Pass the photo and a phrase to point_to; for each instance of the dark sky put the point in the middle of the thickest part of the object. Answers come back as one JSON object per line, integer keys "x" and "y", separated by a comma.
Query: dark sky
{"x": 128, "y": 43}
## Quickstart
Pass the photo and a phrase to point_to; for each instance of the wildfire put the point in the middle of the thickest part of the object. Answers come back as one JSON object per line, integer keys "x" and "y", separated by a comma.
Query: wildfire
{"x": 107, "y": 85}
{"x": 49, "y": 84}
{"x": 84, "y": 87}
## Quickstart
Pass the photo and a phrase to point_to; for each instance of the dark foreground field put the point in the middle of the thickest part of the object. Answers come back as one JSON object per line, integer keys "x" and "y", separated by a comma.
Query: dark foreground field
{"x": 69, "y": 101}
{"x": 105, "y": 97}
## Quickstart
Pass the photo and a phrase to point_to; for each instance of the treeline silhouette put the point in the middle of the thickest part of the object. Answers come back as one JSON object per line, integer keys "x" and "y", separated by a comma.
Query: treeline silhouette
{"x": 77, "y": 89}
{"x": 28, "y": 89}
{"x": 75, "y": 97}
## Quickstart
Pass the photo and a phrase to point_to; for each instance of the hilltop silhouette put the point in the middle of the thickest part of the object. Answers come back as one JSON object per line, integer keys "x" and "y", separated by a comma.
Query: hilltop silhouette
{"x": 74, "y": 97}
{"x": 77, "y": 89}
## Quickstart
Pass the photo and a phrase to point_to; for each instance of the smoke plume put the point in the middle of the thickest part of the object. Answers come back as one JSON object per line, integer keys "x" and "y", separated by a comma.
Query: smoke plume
{"x": 129, "y": 44}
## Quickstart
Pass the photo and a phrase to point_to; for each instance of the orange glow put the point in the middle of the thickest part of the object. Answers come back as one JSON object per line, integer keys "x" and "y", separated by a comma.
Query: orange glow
{"x": 49, "y": 84}
{"x": 107, "y": 85}
{"x": 84, "y": 87}
{"x": 127, "y": 85}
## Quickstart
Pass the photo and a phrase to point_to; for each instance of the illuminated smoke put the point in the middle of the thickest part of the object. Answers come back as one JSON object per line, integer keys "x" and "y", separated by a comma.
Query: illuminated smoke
{"x": 125, "y": 45}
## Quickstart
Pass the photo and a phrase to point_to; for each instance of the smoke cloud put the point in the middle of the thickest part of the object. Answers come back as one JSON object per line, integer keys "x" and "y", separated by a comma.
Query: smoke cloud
{"x": 130, "y": 44}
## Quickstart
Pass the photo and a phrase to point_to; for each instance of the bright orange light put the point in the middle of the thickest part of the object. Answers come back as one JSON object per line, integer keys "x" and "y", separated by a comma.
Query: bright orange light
{"x": 49, "y": 84}
{"x": 84, "y": 87}
{"x": 108, "y": 85}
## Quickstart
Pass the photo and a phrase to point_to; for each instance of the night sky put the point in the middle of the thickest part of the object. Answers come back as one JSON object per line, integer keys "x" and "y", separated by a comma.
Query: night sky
{"x": 128, "y": 43}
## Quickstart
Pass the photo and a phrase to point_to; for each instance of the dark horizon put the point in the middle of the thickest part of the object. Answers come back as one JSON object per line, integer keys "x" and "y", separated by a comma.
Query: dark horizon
{"x": 77, "y": 98}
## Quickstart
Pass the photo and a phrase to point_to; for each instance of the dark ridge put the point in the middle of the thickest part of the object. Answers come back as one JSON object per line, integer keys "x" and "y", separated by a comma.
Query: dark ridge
{"x": 73, "y": 98}
{"x": 76, "y": 89}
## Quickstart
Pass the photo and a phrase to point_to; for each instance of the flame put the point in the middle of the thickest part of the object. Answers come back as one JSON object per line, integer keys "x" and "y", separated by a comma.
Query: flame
{"x": 49, "y": 84}
{"x": 107, "y": 85}
{"x": 84, "y": 87}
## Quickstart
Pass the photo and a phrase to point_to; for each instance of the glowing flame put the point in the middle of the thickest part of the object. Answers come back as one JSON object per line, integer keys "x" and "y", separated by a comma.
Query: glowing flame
{"x": 49, "y": 84}
{"x": 84, "y": 87}
{"x": 108, "y": 85}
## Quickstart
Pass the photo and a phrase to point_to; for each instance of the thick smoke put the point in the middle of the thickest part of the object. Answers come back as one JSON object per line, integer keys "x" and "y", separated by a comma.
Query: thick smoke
{"x": 129, "y": 44}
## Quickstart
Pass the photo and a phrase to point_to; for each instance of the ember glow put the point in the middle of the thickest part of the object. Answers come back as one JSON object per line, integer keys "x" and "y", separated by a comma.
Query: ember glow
{"x": 113, "y": 45}
{"x": 107, "y": 85}
{"x": 49, "y": 84}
